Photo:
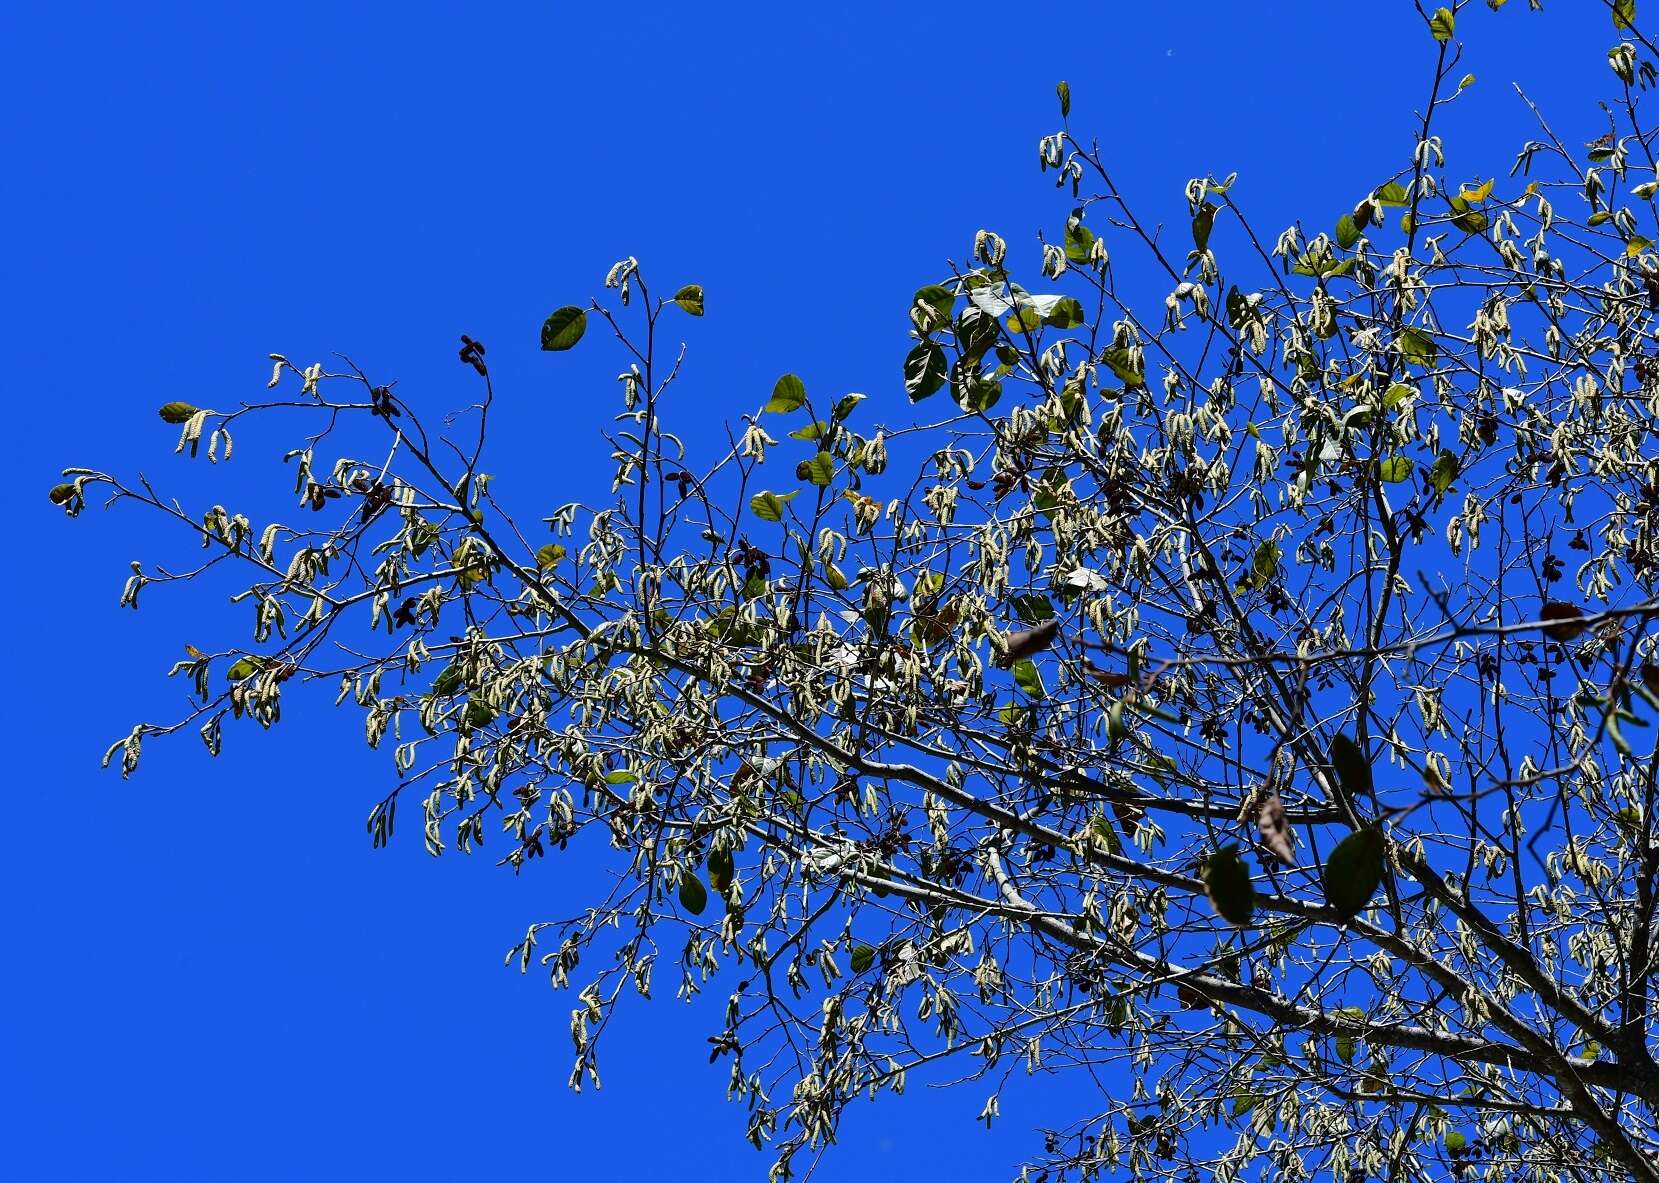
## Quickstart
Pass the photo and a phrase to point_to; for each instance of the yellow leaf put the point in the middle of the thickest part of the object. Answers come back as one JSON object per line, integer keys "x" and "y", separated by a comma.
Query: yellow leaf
{"x": 1636, "y": 246}
{"x": 1478, "y": 194}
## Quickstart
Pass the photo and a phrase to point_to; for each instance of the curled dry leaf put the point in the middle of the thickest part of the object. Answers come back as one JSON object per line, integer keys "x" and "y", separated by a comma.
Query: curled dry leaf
{"x": 1275, "y": 829}
{"x": 1129, "y": 816}
{"x": 1108, "y": 678}
{"x": 1026, "y": 642}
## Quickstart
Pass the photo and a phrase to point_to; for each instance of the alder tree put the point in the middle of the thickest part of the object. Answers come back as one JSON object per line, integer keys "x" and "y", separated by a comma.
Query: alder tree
{"x": 1239, "y": 705}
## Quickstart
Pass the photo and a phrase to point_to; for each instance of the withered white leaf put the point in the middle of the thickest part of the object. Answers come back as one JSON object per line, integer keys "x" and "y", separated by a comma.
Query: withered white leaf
{"x": 1275, "y": 829}
{"x": 1023, "y": 644}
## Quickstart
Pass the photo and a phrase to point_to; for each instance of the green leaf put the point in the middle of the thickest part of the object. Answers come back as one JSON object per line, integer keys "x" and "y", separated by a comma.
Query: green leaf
{"x": 245, "y": 667}
{"x": 720, "y": 870}
{"x": 820, "y": 470}
{"x": 478, "y": 714}
{"x": 549, "y": 556}
{"x": 924, "y": 371}
{"x": 768, "y": 507}
{"x": 1023, "y": 320}
{"x": 1352, "y": 768}
{"x": 564, "y": 328}
{"x": 1393, "y": 194}
{"x": 1397, "y": 394}
{"x": 1353, "y": 872}
{"x": 864, "y": 956}
{"x": 1227, "y": 883}
{"x": 690, "y": 298}
{"x": 1264, "y": 565}
{"x": 1063, "y": 89}
{"x": 1033, "y": 608}
{"x": 1244, "y": 1102}
{"x": 979, "y": 393}
{"x": 1116, "y": 730}
{"x": 788, "y": 394}
{"x": 1202, "y": 223}
{"x": 176, "y": 412}
{"x": 1347, "y": 231}
{"x": 447, "y": 682}
{"x": 844, "y": 407}
{"x": 620, "y": 776}
{"x": 1323, "y": 265}
{"x": 1124, "y": 366}
{"x": 1465, "y": 216}
{"x": 1443, "y": 24}
{"x": 1624, "y": 14}
{"x": 1027, "y": 678}
{"x": 1465, "y": 82}
{"x": 812, "y": 431}
{"x": 422, "y": 535}
{"x": 1079, "y": 242}
{"x": 1418, "y": 348}
{"x": 1444, "y": 472}
{"x": 976, "y": 329}
{"x": 694, "y": 897}
{"x": 1394, "y": 470}
{"x": 937, "y": 302}
{"x": 1345, "y": 1047}
{"x": 476, "y": 570}
{"x": 1106, "y": 834}
{"x": 1455, "y": 1141}
{"x": 1066, "y": 314}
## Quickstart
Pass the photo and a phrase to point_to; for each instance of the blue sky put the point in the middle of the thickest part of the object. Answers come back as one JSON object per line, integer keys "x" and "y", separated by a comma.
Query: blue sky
{"x": 211, "y": 973}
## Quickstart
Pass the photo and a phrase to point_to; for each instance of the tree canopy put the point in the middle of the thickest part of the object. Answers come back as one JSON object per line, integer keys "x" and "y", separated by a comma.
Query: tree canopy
{"x": 1236, "y": 703}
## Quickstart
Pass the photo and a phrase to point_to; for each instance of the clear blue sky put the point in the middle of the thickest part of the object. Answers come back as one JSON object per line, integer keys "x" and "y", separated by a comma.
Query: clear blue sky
{"x": 209, "y": 972}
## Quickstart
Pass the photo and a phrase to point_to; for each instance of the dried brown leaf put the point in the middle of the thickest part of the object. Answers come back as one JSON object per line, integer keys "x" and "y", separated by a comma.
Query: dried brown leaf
{"x": 1275, "y": 829}
{"x": 1023, "y": 644}
{"x": 1108, "y": 678}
